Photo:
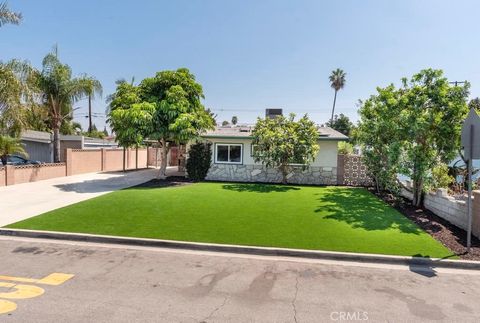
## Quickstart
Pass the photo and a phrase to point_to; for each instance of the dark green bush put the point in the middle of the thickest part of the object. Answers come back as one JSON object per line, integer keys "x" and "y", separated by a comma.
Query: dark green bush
{"x": 199, "y": 160}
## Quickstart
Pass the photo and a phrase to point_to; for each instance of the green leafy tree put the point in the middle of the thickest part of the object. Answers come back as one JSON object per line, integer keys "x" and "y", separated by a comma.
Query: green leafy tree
{"x": 225, "y": 123}
{"x": 70, "y": 127}
{"x": 281, "y": 142}
{"x": 16, "y": 96}
{"x": 380, "y": 134}
{"x": 10, "y": 146}
{"x": 131, "y": 125}
{"x": 234, "y": 120}
{"x": 125, "y": 95}
{"x": 7, "y": 16}
{"x": 179, "y": 116}
{"x": 199, "y": 160}
{"x": 345, "y": 148}
{"x": 413, "y": 129}
{"x": 337, "y": 82}
{"x": 341, "y": 123}
{"x": 474, "y": 103}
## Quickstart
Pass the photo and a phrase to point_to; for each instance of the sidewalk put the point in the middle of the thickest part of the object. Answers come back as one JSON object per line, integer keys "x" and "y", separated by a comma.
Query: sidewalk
{"x": 22, "y": 201}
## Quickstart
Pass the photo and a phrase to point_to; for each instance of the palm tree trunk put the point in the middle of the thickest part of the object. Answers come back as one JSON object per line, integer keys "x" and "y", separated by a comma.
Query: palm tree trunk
{"x": 333, "y": 108}
{"x": 56, "y": 143}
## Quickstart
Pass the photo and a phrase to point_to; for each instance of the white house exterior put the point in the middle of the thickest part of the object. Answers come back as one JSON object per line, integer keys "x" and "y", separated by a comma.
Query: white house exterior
{"x": 232, "y": 158}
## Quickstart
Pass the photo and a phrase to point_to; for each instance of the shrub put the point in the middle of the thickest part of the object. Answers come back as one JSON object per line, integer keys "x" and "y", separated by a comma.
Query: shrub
{"x": 440, "y": 177}
{"x": 345, "y": 148}
{"x": 199, "y": 160}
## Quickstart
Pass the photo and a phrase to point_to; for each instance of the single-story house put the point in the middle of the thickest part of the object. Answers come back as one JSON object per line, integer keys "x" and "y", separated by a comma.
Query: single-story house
{"x": 39, "y": 144}
{"x": 232, "y": 158}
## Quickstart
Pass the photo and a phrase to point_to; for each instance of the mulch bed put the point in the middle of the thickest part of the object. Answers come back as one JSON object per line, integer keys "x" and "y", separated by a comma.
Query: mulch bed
{"x": 167, "y": 182}
{"x": 449, "y": 235}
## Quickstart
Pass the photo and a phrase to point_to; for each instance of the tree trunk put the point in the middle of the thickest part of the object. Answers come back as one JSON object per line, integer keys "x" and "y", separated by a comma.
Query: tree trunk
{"x": 124, "y": 159}
{"x": 162, "y": 174}
{"x": 283, "y": 169}
{"x": 417, "y": 193}
{"x": 136, "y": 157}
{"x": 56, "y": 143}
{"x": 333, "y": 108}
{"x": 377, "y": 184}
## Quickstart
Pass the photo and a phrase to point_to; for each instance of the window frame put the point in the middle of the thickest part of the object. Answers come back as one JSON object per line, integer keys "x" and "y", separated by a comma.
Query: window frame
{"x": 228, "y": 144}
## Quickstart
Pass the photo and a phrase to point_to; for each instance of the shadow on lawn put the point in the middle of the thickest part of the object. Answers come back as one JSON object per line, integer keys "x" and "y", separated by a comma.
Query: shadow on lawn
{"x": 259, "y": 188}
{"x": 361, "y": 209}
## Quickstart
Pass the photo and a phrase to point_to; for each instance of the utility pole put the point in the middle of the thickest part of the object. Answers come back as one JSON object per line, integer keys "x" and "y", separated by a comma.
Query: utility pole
{"x": 457, "y": 82}
{"x": 89, "y": 113}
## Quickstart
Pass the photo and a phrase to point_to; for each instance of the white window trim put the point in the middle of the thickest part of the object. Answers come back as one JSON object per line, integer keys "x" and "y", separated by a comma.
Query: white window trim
{"x": 228, "y": 162}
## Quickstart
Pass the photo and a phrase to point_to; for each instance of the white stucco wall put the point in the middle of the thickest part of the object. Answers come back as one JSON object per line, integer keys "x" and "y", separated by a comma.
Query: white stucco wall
{"x": 327, "y": 156}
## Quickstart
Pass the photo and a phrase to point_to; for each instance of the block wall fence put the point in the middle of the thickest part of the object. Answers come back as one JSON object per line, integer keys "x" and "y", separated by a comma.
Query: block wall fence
{"x": 79, "y": 161}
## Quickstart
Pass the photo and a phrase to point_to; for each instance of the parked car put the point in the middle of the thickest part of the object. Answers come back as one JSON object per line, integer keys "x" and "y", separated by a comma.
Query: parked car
{"x": 17, "y": 160}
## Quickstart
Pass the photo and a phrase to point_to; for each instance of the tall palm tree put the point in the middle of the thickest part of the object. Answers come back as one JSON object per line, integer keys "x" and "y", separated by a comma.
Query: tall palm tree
{"x": 93, "y": 87}
{"x": 7, "y": 16}
{"x": 59, "y": 90}
{"x": 9, "y": 146}
{"x": 337, "y": 82}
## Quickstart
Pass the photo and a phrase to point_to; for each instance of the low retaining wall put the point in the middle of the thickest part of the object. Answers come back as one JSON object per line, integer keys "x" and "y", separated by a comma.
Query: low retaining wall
{"x": 259, "y": 173}
{"x": 450, "y": 209}
{"x": 33, "y": 173}
{"x": 78, "y": 161}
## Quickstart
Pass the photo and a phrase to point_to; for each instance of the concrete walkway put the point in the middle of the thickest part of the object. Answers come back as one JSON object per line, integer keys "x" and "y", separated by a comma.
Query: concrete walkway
{"x": 22, "y": 201}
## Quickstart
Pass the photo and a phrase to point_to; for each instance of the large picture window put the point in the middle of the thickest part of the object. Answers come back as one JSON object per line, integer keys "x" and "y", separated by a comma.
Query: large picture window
{"x": 228, "y": 153}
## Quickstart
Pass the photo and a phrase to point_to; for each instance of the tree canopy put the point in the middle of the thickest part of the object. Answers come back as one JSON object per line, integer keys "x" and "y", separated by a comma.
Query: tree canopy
{"x": 282, "y": 142}
{"x": 172, "y": 99}
{"x": 7, "y": 16}
{"x": 341, "y": 123}
{"x": 412, "y": 129}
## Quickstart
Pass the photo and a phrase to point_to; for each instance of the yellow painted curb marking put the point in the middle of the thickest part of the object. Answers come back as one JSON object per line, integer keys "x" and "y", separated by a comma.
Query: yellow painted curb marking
{"x": 7, "y": 306}
{"x": 21, "y": 291}
{"x": 54, "y": 279}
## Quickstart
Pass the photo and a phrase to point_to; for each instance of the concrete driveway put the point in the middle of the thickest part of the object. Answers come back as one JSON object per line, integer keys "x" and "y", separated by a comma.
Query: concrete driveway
{"x": 54, "y": 281}
{"x": 22, "y": 201}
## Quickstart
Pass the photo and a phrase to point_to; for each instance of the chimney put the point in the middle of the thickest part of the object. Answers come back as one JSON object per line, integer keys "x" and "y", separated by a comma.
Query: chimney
{"x": 272, "y": 113}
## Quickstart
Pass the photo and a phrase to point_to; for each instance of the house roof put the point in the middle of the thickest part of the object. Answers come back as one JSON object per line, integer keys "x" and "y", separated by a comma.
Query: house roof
{"x": 47, "y": 137}
{"x": 37, "y": 136}
{"x": 245, "y": 132}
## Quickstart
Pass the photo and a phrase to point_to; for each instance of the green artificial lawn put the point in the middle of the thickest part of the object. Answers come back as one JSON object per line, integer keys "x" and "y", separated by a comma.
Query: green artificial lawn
{"x": 324, "y": 218}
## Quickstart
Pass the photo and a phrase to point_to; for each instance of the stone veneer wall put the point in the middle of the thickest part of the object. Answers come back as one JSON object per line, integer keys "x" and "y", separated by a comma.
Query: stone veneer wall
{"x": 313, "y": 175}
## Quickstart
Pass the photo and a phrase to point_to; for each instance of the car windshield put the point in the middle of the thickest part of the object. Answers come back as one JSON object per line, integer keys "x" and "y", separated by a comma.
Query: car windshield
{"x": 16, "y": 159}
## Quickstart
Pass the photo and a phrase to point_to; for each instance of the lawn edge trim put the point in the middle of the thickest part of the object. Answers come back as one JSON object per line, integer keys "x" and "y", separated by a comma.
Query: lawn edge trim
{"x": 249, "y": 250}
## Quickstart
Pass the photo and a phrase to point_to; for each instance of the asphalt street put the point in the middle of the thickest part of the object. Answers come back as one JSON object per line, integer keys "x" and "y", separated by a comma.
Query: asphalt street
{"x": 49, "y": 281}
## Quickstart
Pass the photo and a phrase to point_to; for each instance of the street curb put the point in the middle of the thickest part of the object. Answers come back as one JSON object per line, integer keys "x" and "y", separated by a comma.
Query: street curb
{"x": 249, "y": 250}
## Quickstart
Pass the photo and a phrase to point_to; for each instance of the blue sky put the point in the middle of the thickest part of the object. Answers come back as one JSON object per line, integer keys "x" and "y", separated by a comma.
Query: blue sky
{"x": 253, "y": 54}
